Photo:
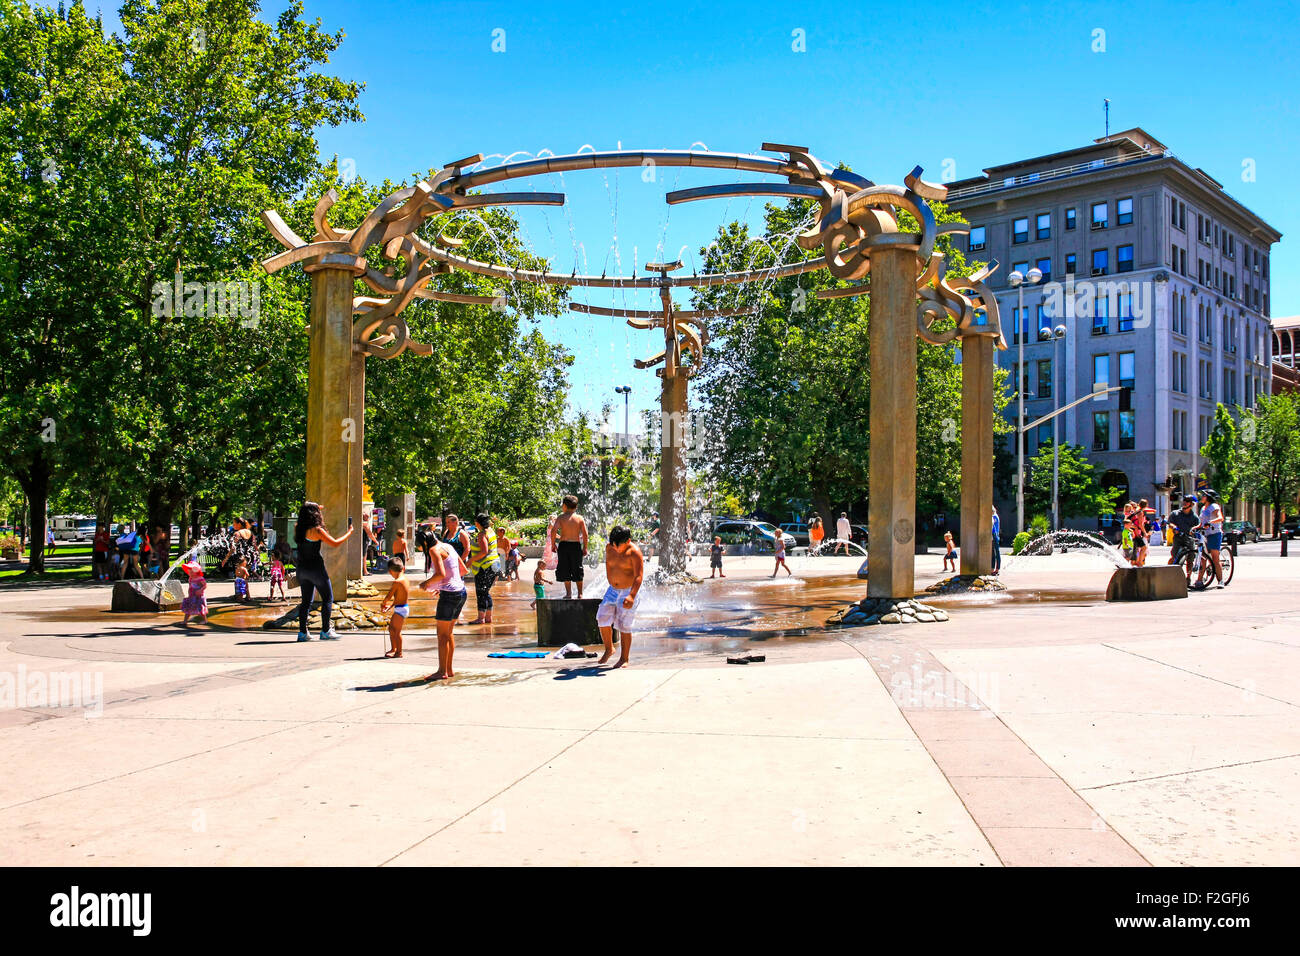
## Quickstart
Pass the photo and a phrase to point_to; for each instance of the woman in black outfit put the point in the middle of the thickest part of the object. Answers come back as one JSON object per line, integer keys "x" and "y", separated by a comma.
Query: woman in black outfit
{"x": 312, "y": 575}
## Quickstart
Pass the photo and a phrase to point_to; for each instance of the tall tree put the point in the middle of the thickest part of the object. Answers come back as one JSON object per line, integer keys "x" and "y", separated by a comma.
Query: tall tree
{"x": 1270, "y": 452}
{"x": 1079, "y": 487}
{"x": 1222, "y": 449}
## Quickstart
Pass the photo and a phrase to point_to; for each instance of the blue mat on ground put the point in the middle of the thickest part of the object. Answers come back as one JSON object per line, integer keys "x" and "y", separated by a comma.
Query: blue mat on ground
{"x": 521, "y": 654}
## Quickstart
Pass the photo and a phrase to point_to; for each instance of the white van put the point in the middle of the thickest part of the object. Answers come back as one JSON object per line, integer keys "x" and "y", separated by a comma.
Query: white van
{"x": 73, "y": 527}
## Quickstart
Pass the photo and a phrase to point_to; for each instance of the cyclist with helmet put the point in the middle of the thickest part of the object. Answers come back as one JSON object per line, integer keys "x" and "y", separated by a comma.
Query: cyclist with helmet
{"x": 1212, "y": 524}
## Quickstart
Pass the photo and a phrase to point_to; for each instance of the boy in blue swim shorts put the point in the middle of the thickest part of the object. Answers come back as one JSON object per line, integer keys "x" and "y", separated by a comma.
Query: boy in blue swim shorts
{"x": 398, "y": 599}
{"x": 624, "y": 566}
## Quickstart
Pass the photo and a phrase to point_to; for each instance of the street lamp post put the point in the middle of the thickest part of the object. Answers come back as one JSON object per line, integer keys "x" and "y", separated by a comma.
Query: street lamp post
{"x": 1017, "y": 280}
{"x": 625, "y": 391}
{"x": 1056, "y": 335}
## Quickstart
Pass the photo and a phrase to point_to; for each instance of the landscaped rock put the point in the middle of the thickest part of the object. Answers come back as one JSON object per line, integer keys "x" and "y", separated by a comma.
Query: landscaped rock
{"x": 890, "y": 618}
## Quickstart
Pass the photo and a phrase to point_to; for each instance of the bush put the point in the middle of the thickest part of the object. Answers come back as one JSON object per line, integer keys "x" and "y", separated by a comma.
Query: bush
{"x": 1038, "y": 526}
{"x": 1019, "y": 543}
{"x": 530, "y": 530}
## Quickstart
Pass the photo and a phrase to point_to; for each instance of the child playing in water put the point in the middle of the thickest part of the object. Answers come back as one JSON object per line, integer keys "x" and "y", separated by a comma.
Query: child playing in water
{"x": 195, "y": 604}
{"x": 397, "y": 598}
{"x": 780, "y": 555}
{"x": 715, "y": 557}
{"x": 950, "y": 551}
{"x": 539, "y": 579}
{"x": 241, "y": 581}
{"x": 277, "y": 576}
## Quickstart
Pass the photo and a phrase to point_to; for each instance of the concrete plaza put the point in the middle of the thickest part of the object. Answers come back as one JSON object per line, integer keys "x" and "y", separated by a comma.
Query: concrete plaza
{"x": 1048, "y": 728}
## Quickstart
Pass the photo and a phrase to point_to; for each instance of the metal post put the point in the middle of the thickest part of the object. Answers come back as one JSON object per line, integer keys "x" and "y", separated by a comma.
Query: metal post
{"x": 1020, "y": 423}
{"x": 1056, "y": 402}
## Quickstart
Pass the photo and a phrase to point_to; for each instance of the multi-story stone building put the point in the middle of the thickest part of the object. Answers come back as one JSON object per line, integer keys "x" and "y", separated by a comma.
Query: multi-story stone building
{"x": 1161, "y": 280}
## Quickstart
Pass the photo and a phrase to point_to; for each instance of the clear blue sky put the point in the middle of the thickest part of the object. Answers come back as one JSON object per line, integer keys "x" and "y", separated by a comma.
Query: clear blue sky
{"x": 880, "y": 86}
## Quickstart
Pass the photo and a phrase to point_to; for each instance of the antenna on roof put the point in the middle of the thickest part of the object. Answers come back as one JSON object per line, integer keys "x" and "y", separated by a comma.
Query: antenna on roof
{"x": 1106, "y": 106}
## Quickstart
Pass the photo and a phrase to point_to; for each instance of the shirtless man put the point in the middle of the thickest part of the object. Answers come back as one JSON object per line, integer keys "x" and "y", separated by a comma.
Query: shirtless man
{"x": 623, "y": 567}
{"x": 571, "y": 535}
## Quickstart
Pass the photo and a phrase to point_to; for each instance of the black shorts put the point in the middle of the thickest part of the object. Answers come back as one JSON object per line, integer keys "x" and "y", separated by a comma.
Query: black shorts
{"x": 568, "y": 561}
{"x": 449, "y": 605}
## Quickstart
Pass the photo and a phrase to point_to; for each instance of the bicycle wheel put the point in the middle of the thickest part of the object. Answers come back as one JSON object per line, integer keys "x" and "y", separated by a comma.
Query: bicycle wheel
{"x": 1228, "y": 564}
{"x": 1197, "y": 570}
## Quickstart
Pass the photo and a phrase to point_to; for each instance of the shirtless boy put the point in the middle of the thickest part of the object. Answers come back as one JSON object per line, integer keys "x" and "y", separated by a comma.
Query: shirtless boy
{"x": 623, "y": 568}
{"x": 398, "y": 598}
{"x": 571, "y": 533}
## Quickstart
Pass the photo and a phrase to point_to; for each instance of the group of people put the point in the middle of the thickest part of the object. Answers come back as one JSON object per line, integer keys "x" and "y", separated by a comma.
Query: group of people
{"x": 127, "y": 552}
{"x": 452, "y": 555}
{"x": 1187, "y": 520}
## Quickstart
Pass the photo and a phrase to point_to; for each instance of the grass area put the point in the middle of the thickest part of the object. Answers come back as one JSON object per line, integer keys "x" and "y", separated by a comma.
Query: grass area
{"x": 69, "y": 573}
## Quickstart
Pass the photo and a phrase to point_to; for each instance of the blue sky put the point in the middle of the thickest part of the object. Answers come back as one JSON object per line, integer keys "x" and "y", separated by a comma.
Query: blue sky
{"x": 881, "y": 87}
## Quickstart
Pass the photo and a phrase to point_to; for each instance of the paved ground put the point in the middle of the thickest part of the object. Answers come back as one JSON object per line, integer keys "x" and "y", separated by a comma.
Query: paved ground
{"x": 1039, "y": 727}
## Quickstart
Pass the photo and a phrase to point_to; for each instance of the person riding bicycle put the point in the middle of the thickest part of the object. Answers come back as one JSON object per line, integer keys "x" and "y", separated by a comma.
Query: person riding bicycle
{"x": 1212, "y": 525}
{"x": 1183, "y": 522}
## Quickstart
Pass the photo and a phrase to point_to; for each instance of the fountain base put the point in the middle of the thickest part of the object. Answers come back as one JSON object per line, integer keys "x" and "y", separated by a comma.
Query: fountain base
{"x": 146, "y": 596}
{"x": 563, "y": 621}
{"x": 887, "y": 611}
{"x": 965, "y": 583}
{"x": 1165, "y": 582}
{"x": 345, "y": 616}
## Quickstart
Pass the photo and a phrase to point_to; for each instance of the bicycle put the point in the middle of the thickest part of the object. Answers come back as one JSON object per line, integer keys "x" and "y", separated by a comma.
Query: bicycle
{"x": 1197, "y": 562}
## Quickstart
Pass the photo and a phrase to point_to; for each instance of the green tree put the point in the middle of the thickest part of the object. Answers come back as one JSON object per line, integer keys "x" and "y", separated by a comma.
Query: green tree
{"x": 1222, "y": 449}
{"x": 1270, "y": 452}
{"x": 61, "y": 126}
{"x": 1078, "y": 484}
{"x": 786, "y": 388}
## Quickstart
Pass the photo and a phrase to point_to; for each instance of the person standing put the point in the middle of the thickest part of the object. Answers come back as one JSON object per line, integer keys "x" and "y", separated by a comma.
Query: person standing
{"x": 483, "y": 562}
{"x": 816, "y": 534}
{"x": 448, "y": 580}
{"x": 997, "y": 542}
{"x": 571, "y": 534}
{"x": 1212, "y": 523}
{"x": 101, "y": 548}
{"x": 779, "y": 545}
{"x": 312, "y": 574}
{"x": 843, "y": 532}
{"x": 624, "y": 566}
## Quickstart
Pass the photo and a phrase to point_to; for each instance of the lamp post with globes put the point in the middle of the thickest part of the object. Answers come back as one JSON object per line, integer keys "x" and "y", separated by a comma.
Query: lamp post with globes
{"x": 1055, "y": 335}
{"x": 1017, "y": 281}
{"x": 625, "y": 391}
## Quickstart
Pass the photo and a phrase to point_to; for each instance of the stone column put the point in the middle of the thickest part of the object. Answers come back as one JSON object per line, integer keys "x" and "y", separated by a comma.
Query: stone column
{"x": 356, "y": 546}
{"x": 329, "y": 404}
{"x": 892, "y": 485}
{"x": 672, "y": 474}
{"x": 976, "y": 454}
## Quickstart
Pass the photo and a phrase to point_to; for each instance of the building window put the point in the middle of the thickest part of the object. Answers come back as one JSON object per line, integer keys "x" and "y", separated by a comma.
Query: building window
{"x": 1126, "y": 369}
{"x": 1043, "y": 226}
{"x": 1124, "y": 259}
{"x": 1020, "y": 230}
{"x": 1045, "y": 267}
{"x": 1101, "y": 370}
{"x": 1070, "y": 218}
{"x": 1127, "y": 430}
{"x": 1100, "y": 262}
{"x": 1044, "y": 378}
{"x": 1173, "y": 212}
{"x": 1017, "y": 325}
{"x": 1021, "y": 267}
{"x": 1124, "y": 212}
{"x": 976, "y": 238}
{"x": 1179, "y": 372}
{"x": 1182, "y": 261}
{"x": 1100, "y": 215}
{"x": 1045, "y": 434}
{"x": 1101, "y": 431}
{"x": 1071, "y": 263}
{"x": 1044, "y": 320}
{"x": 1126, "y": 311}
{"x": 1101, "y": 314}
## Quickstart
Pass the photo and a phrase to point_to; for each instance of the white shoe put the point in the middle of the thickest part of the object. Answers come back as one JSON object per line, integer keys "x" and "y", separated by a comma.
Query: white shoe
{"x": 330, "y": 635}
{"x": 303, "y": 636}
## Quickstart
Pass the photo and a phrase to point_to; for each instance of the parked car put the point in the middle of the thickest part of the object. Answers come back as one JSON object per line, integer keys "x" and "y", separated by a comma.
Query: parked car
{"x": 743, "y": 532}
{"x": 797, "y": 531}
{"x": 858, "y": 534}
{"x": 1239, "y": 532}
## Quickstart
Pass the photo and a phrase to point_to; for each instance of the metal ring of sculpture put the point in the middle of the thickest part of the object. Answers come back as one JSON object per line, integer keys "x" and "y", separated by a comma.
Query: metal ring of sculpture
{"x": 857, "y": 217}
